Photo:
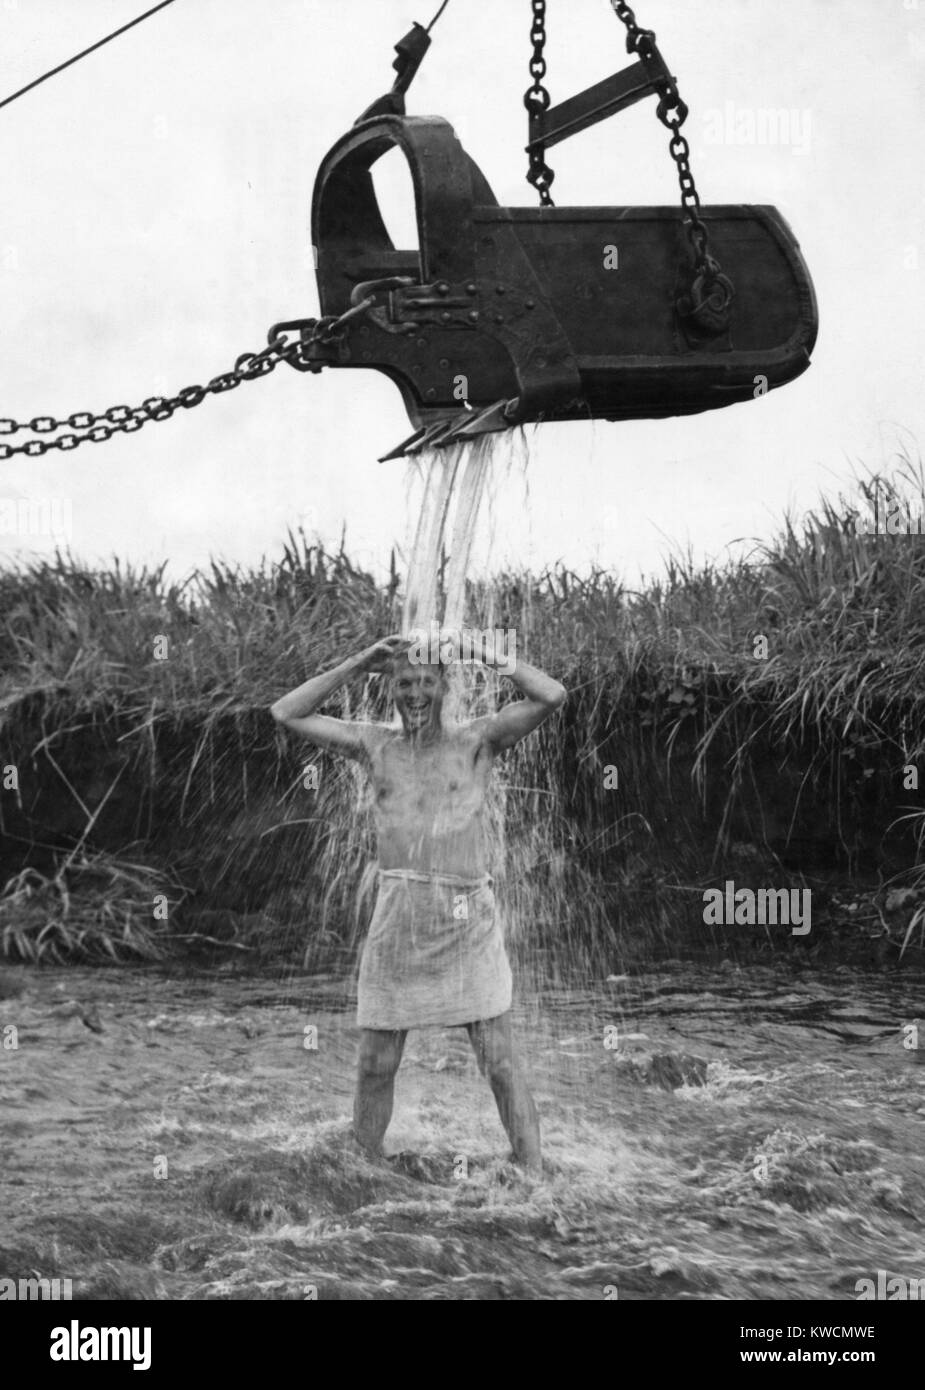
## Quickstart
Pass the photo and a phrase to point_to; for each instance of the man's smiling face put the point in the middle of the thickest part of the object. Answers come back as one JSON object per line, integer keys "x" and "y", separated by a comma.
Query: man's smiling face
{"x": 418, "y": 692}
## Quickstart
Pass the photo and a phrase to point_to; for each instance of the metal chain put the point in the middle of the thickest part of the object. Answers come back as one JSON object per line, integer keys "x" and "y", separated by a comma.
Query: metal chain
{"x": 126, "y": 419}
{"x": 536, "y": 100}
{"x": 672, "y": 112}
{"x": 635, "y": 35}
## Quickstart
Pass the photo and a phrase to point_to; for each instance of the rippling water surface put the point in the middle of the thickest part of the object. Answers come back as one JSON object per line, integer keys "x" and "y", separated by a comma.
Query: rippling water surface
{"x": 748, "y": 1133}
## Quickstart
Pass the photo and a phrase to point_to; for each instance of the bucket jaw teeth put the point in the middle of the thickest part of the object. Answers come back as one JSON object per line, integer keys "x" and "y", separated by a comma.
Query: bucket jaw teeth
{"x": 402, "y": 449}
{"x": 467, "y": 424}
{"x": 488, "y": 421}
{"x": 424, "y": 438}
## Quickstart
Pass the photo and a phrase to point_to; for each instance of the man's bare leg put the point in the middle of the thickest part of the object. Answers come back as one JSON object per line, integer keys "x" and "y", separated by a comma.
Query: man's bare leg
{"x": 494, "y": 1050}
{"x": 380, "y": 1054}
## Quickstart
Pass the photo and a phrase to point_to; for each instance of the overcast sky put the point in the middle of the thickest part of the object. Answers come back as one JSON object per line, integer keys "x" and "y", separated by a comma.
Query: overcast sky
{"x": 155, "y": 213}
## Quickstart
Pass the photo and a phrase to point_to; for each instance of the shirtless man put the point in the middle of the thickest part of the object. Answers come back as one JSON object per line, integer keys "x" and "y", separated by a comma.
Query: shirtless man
{"x": 434, "y": 953}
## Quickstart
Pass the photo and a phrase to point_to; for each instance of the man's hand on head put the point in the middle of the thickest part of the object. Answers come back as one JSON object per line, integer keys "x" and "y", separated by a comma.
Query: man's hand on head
{"x": 379, "y": 656}
{"x": 300, "y": 709}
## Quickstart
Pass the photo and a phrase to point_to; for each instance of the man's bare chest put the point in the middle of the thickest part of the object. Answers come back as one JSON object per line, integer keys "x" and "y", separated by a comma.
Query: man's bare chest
{"x": 430, "y": 781}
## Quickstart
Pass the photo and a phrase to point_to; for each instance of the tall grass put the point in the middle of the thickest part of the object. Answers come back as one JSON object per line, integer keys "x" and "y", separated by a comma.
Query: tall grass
{"x": 701, "y": 688}
{"x": 93, "y": 907}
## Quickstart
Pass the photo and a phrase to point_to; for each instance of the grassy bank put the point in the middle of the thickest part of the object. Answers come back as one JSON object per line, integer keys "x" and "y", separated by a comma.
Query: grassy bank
{"x": 758, "y": 719}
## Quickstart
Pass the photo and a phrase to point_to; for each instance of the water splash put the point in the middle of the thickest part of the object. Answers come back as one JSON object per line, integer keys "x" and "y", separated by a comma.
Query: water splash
{"x": 544, "y": 893}
{"x": 454, "y": 496}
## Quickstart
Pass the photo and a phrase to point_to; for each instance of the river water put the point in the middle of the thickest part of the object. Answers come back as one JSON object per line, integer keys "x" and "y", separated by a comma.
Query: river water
{"x": 753, "y": 1133}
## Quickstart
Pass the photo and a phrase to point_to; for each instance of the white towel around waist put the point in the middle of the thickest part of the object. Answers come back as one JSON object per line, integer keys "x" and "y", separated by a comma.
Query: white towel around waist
{"x": 434, "y": 953}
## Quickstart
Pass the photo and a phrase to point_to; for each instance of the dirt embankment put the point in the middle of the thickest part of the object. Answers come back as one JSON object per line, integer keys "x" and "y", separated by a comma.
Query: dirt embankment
{"x": 246, "y": 848}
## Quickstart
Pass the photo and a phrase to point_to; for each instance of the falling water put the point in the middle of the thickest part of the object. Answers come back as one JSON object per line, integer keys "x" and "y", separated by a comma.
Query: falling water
{"x": 451, "y": 494}
{"x": 454, "y": 483}
{"x": 544, "y": 892}
{"x": 445, "y": 491}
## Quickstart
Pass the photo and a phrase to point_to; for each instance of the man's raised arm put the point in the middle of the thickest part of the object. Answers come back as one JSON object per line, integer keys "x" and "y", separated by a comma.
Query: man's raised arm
{"x": 297, "y": 710}
{"x": 543, "y": 696}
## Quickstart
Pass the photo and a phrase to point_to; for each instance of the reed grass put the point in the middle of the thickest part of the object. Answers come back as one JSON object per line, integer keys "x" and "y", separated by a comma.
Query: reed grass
{"x": 93, "y": 907}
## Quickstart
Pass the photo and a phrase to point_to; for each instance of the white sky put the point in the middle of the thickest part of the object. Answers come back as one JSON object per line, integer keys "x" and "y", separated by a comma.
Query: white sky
{"x": 155, "y": 223}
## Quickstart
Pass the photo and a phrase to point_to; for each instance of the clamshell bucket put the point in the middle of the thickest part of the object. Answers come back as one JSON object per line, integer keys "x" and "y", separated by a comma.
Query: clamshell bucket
{"x": 507, "y": 315}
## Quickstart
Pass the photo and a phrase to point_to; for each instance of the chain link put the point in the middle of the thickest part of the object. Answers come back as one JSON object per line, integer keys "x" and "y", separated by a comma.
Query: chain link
{"x": 536, "y": 100}
{"x": 672, "y": 112}
{"x": 124, "y": 419}
{"x": 636, "y": 38}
